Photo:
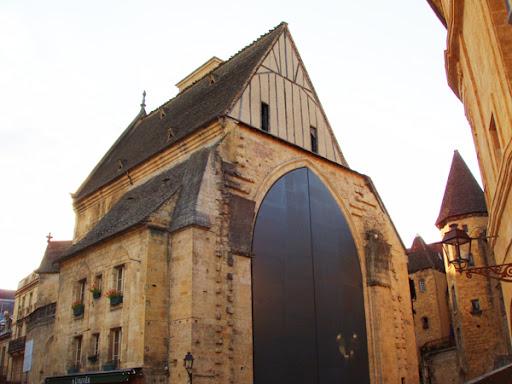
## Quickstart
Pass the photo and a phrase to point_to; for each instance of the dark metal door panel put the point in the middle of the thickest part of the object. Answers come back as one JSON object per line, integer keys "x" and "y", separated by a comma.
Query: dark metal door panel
{"x": 338, "y": 292}
{"x": 307, "y": 288}
{"x": 283, "y": 294}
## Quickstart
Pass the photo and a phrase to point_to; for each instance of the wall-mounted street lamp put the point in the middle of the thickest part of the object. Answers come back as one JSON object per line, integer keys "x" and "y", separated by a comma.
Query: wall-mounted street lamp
{"x": 188, "y": 363}
{"x": 456, "y": 238}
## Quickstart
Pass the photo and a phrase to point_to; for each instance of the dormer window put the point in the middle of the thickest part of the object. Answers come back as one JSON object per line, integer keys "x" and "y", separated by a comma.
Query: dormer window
{"x": 313, "y": 133}
{"x": 265, "y": 117}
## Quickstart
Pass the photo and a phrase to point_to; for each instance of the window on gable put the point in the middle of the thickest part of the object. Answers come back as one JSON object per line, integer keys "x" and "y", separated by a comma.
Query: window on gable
{"x": 265, "y": 117}
{"x": 313, "y": 133}
{"x": 422, "y": 285}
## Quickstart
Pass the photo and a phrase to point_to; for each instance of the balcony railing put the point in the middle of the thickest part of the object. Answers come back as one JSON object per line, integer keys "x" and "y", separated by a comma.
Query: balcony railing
{"x": 16, "y": 345}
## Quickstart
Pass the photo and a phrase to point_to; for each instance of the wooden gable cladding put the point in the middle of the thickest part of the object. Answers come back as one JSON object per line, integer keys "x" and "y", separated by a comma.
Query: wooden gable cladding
{"x": 282, "y": 83}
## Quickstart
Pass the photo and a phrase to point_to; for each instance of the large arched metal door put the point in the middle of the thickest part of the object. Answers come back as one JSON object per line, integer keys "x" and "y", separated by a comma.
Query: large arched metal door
{"x": 308, "y": 308}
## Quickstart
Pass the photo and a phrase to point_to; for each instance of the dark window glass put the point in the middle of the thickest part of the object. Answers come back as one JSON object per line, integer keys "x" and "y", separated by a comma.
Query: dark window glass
{"x": 264, "y": 117}
{"x": 314, "y": 139}
{"x": 471, "y": 260}
{"x": 424, "y": 322}
{"x": 475, "y": 306}
{"x": 422, "y": 285}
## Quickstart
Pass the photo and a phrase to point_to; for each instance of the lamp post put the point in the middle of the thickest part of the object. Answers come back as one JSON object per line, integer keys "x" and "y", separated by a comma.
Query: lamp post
{"x": 188, "y": 363}
{"x": 456, "y": 238}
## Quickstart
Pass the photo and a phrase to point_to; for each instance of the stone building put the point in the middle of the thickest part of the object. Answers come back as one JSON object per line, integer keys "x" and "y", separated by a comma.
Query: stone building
{"x": 478, "y": 60}
{"x": 25, "y": 298}
{"x": 6, "y": 309}
{"x": 227, "y": 223}
{"x": 32, "y": 329}
{"x": 476, "y": 306}
{"x": 432, "y": 321}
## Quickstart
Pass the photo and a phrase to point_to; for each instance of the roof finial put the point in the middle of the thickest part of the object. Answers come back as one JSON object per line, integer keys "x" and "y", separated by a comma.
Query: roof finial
{"x": 143, "y": 104}
{"x": 49, "y": 237}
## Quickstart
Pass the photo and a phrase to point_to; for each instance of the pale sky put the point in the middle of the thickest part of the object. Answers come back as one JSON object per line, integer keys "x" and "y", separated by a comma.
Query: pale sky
{"x": 72, "y": 74}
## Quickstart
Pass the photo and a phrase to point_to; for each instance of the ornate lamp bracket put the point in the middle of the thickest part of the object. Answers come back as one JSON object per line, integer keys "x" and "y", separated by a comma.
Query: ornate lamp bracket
{"x": 501, "y": 272}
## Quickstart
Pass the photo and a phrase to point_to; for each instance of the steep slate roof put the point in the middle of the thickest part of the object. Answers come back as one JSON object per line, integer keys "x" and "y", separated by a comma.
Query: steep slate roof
{"x": 54, "y": 250}
{"x": 462, "y": 195}
{"x": 425, "y": 256}
{"x": 192, "y": 109}
{"x": 139, "y": 203}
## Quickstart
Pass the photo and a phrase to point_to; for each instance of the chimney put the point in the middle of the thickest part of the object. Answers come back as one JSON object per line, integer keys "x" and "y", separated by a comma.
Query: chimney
{"x": 207, "y": 67}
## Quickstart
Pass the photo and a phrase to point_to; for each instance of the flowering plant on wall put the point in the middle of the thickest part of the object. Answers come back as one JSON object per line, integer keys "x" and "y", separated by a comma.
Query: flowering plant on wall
{"x": 96, "y": 291}
{"x": 115, "y": 296}
{"x": 78, "y": 307}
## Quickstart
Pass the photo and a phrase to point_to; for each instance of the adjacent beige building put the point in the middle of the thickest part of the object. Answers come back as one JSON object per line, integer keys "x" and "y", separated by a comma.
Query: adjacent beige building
{"x": 478, "y": 61}
{"x": 433, "y": 325}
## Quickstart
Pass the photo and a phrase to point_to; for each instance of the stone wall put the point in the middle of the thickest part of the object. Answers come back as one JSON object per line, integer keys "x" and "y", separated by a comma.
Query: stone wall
{"x": 433, "y": 304}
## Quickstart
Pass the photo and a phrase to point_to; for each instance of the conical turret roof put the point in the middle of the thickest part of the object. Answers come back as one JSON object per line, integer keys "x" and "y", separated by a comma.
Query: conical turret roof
{"x": 462, "y": 195}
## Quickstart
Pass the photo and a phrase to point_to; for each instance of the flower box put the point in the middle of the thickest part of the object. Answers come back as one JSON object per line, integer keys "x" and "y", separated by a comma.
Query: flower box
{"x": 92, "y": 358}
{"x": 78, "y": 308}
{"x": 115, "y": 300}
{"x": 96, "y": 291}
{"x": 73, "y": 369}
{"x": 110, "y": 366}
{"x": 115, "y": 297}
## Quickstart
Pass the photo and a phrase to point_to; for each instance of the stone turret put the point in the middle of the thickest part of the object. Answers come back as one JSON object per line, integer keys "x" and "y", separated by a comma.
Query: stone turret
{"x": 475, "y": 303}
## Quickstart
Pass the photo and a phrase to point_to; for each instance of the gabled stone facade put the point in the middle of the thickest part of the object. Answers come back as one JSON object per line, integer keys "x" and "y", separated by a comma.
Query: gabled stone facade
{"x": 164, "y": 227}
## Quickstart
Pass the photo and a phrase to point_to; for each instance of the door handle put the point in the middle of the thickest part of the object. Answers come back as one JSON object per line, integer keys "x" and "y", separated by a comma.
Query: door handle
{"x": 347, "y": 347}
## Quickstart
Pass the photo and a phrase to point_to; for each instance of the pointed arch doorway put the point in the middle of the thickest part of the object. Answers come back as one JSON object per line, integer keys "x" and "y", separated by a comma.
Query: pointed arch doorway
{"x": 308, "y": 308}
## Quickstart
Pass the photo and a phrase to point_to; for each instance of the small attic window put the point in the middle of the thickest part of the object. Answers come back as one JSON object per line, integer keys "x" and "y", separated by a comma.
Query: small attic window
{"x": 211, "y": 78}
{"x": 265, "y": 117}
{"x": 313, "y": 133}
{"x": 162, "y": 114}
{"x": 120, "y": 164}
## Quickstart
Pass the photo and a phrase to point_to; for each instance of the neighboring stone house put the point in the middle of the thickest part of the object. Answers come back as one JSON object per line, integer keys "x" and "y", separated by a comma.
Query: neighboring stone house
{"x": 432, "y": 322}
{"x": 32, "y": 324}
{"x": 227, "y": 223}
{"x": 476, "y": 304}
{"x": 25, "y": 298}
{"x": 478, "y": 60}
